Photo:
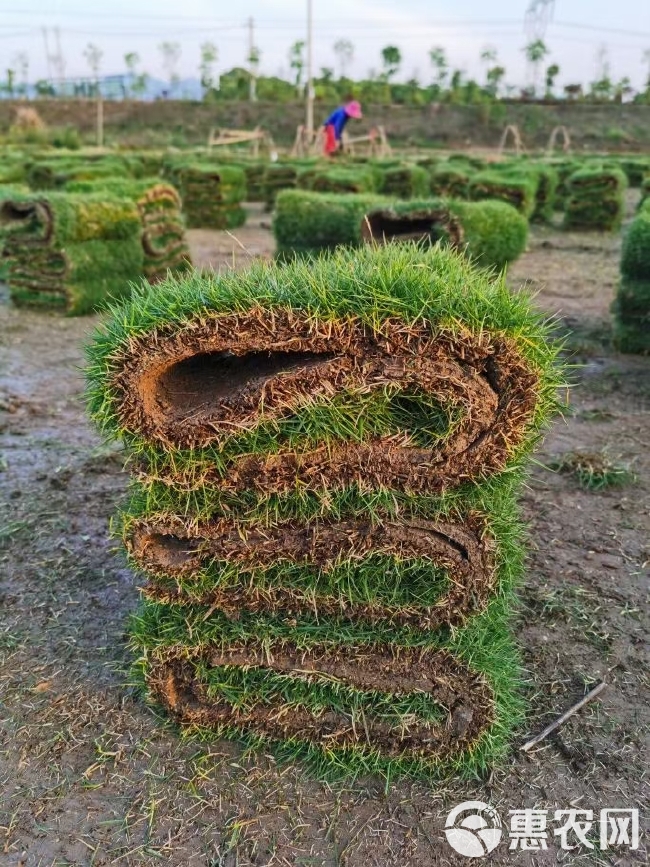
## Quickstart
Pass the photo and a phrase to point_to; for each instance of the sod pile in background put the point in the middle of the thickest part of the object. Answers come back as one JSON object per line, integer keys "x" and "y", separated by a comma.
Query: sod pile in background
{"x": 212, "y": 195}
{"x": 70, "y": 250}
{"x": 339, "y": 179}
{"x": 595, "y": 199}
{"x": 514, "y": 187}
{"x": 631, "y": 306}
{"x": 327, "y": 455}
{"x": 164, "y": 244}
{"x": 493, "y": 233}
{"x": 450, "y": 180}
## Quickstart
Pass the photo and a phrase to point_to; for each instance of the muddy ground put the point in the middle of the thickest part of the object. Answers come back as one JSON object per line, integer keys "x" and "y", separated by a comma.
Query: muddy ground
{"x": 89, "y": 775}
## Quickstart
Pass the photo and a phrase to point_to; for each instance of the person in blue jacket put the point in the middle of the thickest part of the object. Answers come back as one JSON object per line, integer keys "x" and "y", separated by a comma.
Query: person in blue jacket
{"x": 335, "y": 124}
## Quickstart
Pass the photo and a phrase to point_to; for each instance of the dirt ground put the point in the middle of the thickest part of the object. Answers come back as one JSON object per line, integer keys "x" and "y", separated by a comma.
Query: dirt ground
{"x": 89, "y": 775}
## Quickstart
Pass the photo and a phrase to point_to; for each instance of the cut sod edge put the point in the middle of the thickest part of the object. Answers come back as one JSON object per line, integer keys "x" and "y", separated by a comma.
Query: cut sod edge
{"x": 179, "y": 387}
{"x": 451, "y": 684}
{"x": 168, "y": 546}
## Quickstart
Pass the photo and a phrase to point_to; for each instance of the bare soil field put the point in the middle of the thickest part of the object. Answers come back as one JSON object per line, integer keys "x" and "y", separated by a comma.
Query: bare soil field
{"x": 90, "y": 775}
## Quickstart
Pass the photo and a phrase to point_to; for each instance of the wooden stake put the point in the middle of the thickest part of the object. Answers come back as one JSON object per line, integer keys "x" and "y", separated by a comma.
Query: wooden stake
{"x": 565, "y": 716}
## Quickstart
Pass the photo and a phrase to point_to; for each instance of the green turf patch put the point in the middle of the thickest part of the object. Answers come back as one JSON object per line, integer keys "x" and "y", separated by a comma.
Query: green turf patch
{"x": 328, "y": 454}
{"x": 495, "y": 233}
{"x": 72, "y": 251}
{"x": 164, "y": 244}
{"x": 595, "y": 199}
{"x": 211, "y": 195}
{"x": 631, "y": 307}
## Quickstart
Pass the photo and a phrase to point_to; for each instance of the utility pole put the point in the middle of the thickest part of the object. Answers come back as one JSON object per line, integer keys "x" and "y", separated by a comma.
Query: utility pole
{"x": 252, "y": 52}
{"x": 47, "y": 54}
{"x": 310, "y": 84}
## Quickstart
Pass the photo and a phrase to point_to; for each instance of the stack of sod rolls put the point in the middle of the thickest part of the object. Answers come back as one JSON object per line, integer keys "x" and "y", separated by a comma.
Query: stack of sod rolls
{"x": 164, "y": 244}
{"x": 360, "y": 179}
{"x": 631, "y": 306}
{"x": 515, "y": 188}
{"x": 491, "y": 233}
{"x": 450, "y": 179}
{"x": 327, "y": 457}
{"x": 405, "y": 182}
{"x": 279, "y": 176}
{"x": 56, "y": 173}
{"x": 70, "y": 250}
{"x": 211, "y": 195}
{"x": 595, "y": 199}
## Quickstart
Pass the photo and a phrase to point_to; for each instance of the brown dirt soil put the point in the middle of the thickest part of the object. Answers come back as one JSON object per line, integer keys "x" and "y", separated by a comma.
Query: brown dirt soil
{"x": 90, "y": 776}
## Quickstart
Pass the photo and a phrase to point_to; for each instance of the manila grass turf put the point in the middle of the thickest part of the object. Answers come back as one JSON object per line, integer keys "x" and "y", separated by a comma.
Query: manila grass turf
{"x": 164, "y": 243}
{"x": 495, "y": 233}
{"x": 516, "y": 188}
{"x": 71, "y": 251}
{"x": 631, "y": 307}
{"x": 370, "y": 614}
{"x": 211, "y": 195}
{"x": 595, "y": 199}
{"x": 492, "y": 233}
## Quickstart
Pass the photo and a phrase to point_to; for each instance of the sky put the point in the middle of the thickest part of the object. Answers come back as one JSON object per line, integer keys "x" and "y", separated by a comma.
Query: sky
{"x": 583, "y": 35}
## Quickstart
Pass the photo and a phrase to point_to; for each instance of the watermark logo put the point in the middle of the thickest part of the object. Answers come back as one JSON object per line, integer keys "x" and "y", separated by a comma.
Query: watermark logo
{"x": 473, "y": 829}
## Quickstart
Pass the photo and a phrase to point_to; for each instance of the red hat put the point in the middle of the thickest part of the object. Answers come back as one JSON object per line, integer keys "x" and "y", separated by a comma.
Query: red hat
{"x": 353, "y": 109}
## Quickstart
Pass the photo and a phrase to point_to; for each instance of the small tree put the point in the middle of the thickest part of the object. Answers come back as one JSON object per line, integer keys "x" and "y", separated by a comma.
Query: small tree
{"x": 21, "y": 65}
{"x": 391, "y": 57}
{"x": 93, "y": 55}
{"x": 438, "y": 59}
{"x": 535, "y": 52}
{"x": 344, "y": 51}
{"x": 209, "y": 56}
{"x": 646, "y": 60}
{"x": 552, "y": 73}
{"x": 494, "y": 77}
{"x": 10, "y": 82}
{"x": 137, "y": 80}
{"x": 171, "y": 54}
{"x": 297, "y": 62}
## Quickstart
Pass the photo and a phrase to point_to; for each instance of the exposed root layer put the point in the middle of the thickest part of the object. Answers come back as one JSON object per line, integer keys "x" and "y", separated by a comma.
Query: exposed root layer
{"x": 451, "y": 684}
{"x": 163, "y": 233}
{"x": 197, "y": 386}
{"x": 424, "y": 224}
{"x": 169, "y": 548}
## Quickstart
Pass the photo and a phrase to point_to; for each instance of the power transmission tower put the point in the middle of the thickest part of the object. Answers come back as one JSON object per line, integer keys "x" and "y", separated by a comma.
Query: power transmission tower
{"x": 538, "y": 16}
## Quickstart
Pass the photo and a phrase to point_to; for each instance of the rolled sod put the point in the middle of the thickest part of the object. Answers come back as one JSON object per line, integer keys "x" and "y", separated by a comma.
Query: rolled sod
{"x": 495, "y": 233}
{"x": 450, "y": 180}
{"x": 491, "y": 233}
{"x": 595, "y": 199}
{"x": 516, "y": 189}
{"x": 327, "y": 457}
{"x": 71, "y": 251}
{"x": 278, "y": 176}
{"x": 631, "y": 307}
{"x": 56, "y": 173}
{"x": 339, "y": 180}
{"x": 405, "y": 182}
{"x": 211, "y": 195}
{"x": 428, "y": 221}
{"x": 163, "y": 238}
{"x": 307, "y": 222}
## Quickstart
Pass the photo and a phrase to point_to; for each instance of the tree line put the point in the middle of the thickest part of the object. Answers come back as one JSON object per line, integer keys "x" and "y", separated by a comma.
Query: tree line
{"x": 331, "y": 84}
